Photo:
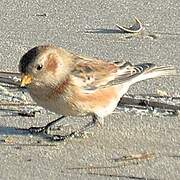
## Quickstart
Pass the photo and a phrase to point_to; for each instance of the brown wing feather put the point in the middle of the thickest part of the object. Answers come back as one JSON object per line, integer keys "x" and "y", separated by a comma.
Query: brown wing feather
{"x": 93, "y": 73}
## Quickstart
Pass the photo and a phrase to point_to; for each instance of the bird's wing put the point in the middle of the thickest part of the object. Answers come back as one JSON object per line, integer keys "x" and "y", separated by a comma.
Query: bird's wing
{"x": 94, "y": 73}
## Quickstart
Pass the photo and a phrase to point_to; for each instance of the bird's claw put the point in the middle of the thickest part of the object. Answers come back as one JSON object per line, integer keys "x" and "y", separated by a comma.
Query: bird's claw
{"x": 36, "y": 130}
{"x": 57, "y": 138}
{"x": 44, "y": 130}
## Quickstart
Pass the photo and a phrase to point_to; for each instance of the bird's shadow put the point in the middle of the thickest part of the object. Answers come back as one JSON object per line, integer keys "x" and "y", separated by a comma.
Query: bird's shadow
{"x": 23, "y": 132}
{"x": 13, "y": 131}
{"x": 9, "y": 131}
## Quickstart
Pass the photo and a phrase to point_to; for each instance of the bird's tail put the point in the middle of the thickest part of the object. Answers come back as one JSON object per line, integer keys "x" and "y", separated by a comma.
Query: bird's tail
{"x": 149, "y": 70}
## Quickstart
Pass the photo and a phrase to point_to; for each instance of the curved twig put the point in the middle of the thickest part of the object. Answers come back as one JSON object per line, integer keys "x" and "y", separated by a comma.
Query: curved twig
{"x": 136, "y": 28}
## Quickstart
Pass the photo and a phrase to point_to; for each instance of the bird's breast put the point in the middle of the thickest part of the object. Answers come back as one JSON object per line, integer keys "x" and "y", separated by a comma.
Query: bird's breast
{"x": 60, "y": 104}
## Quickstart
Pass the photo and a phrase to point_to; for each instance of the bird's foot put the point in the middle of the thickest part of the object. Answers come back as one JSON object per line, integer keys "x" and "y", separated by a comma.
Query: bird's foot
{"x": 36, "y": 130}
{"x": 61, "y": 137}
{"x": 44, "y": 131}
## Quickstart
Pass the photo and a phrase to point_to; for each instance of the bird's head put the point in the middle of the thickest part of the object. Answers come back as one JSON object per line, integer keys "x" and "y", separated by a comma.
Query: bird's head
{"x": 44, "y": 66}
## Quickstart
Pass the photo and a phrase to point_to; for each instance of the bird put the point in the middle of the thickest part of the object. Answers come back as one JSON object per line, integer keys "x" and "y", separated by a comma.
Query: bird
{"x": 74, "y": 85}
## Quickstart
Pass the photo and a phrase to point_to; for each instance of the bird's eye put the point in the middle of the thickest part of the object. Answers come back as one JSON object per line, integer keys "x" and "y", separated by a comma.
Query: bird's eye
{"x": 39, "y": 67}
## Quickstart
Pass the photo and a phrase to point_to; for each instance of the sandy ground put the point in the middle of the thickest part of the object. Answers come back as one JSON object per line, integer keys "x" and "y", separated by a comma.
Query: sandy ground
{"x": 128, "y": 146}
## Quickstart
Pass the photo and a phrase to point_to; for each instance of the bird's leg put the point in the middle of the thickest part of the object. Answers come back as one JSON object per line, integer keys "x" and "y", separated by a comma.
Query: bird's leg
{"x": 91, "y": 124}
{"x": 78, "y": 132}
{"x": 95, "y": 121}
{"x": 46, "y": 127}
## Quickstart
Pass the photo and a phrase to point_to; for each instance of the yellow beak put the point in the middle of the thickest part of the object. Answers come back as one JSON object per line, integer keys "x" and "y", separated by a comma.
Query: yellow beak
{"x": 25, "y": 79}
